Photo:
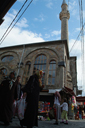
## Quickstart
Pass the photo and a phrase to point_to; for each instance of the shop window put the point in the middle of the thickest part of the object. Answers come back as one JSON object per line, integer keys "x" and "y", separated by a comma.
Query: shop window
{"x": 52, "y": 72}
{"x": 7, "y": 58}
{"x": 40, "y": 64}
{"x": 3, "y": 71}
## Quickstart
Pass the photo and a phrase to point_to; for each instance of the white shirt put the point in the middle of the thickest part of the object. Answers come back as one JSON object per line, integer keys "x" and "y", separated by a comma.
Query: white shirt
{"x": 64, "y": 106}
{"x": 56, "y": 101}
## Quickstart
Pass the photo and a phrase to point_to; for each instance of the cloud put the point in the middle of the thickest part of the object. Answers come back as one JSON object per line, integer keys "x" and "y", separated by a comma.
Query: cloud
{"x": 47, "y": 35}
{"x": 76, "y": 51}
{"x": 77, "y": 29}
{"x": 56, "y": 33}
{"x": 49, "y": 5}
{"x": 74, "y": 46}
{"x": 18, "y": 35}
{"x": 22, "y": 23}
{"x": 40, "y": 18}
{"x": 72, "y": 8}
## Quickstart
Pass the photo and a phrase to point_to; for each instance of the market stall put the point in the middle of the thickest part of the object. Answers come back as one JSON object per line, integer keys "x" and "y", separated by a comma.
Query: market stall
{"x": 81, "y": 102}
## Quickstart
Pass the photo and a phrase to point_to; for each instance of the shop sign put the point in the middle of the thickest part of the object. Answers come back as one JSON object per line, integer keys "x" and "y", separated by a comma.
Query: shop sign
{"x": 54, "y": 90}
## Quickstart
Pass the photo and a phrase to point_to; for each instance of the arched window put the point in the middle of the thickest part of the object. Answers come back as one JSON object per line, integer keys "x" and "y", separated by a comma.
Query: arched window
{"x": 28, "y": 65}
{"x": 3, "y": 71}
{"x": 7, "y": 58}
{"x": 40, "y": 64}
{"x": 52, "y": 72}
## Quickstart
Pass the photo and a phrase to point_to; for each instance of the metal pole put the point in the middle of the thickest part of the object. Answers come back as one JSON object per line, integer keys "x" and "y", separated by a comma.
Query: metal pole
{"x": 21, "y": 60}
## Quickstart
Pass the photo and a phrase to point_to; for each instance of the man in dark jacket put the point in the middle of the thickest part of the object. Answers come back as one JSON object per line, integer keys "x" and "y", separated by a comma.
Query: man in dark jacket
{"x": 8, "y": 92}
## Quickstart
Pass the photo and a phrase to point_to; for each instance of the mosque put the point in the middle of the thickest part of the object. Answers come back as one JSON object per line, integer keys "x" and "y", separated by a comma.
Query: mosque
{"x": 60, "y": 71}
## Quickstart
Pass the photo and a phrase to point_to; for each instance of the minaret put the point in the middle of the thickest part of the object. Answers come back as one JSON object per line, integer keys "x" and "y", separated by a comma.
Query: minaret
{"x": 64, "y": 17}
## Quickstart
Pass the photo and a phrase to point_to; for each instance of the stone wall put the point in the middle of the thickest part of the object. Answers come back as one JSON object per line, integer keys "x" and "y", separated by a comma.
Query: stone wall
{"x": 55, "y": 50}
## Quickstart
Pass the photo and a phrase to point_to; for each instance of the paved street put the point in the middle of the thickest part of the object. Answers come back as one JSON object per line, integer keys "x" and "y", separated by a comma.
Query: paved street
{"x": 49, "y": 124}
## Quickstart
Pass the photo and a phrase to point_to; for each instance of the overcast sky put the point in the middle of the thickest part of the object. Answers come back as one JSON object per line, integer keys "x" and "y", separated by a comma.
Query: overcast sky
{"x": 41, "y": 23}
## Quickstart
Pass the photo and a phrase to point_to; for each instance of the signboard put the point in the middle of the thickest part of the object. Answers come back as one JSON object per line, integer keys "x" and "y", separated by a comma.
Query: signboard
{"x": 54, "y": 90}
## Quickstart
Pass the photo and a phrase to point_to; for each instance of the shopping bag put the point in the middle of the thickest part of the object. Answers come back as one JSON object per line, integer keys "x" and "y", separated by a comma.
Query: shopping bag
{"x": 51, "y": 114}
{"x": 21, "y": 108}
{"x": 14, "y": 107}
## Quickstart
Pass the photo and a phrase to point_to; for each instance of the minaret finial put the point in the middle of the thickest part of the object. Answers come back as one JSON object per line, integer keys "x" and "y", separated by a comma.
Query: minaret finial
{"x": 64, "y": 2}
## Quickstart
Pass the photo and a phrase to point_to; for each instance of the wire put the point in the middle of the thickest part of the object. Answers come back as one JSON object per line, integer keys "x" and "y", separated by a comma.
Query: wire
{"x": 77, "y": 38}
{"x": 13, "y": 20}
{"x": 16, "y": 21}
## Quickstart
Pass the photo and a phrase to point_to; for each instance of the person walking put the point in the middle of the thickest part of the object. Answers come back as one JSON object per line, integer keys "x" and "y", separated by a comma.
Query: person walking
{"x": 18, "y": 84}
{"x": 64, "y": 111}
{"x": 57, "y": 100}
{"x": 19, "y": 94}
{"x": 84, "y": 108}
{"x": 8, "y": 92}
{"x": 32, "y": 89}
{"x": 80, "y": 112}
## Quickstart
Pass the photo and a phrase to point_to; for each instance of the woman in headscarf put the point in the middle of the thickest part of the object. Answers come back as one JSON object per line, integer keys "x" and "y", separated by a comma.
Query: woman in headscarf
{"x": 32, "y": 89}
{"x": 57, "y": 100}
{"x": 8, "y": 92}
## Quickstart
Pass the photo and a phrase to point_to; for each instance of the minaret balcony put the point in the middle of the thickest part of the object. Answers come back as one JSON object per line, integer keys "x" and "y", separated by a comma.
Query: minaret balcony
{"x": 64, "y": 14}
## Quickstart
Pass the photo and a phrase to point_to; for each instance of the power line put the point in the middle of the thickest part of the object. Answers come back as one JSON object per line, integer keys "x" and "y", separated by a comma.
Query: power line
{"x": 13, "y": 19}
{"x": 16, "y": 21}
{"x": 82, "y": 41}
{"x": 77, "y": 38}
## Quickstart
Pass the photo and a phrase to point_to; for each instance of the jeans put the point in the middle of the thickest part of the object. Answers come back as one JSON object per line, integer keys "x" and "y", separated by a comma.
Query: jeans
{"x": 80, "y": 116}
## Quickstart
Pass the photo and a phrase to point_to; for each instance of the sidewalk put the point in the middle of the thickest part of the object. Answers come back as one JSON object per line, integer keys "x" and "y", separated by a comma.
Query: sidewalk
{"x": 49, "y": 124}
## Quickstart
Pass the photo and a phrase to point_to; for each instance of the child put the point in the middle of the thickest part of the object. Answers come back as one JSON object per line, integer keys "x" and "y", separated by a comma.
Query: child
{"x": 65, "y": 111}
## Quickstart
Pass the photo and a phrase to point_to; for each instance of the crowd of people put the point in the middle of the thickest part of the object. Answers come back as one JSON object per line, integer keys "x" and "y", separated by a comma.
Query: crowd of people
{"x": 11, "y": 92}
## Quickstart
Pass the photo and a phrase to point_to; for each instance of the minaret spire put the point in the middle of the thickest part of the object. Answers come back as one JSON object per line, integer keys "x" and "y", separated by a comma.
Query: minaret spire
{"x": 64, "y": 17}
{"x": 64, "y": 2}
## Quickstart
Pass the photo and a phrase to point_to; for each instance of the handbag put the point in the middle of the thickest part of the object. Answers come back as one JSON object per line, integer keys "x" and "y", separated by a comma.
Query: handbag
{"x": 51, "y": 114}
{"x": 21, "y": 108}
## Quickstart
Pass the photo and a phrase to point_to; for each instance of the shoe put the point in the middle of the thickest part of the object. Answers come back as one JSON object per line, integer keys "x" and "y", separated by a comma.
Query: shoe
{"x": 66, "y": 123}
{"x": 21, "y": 123}
{"x": 56, "y": 123}
{"x": 6, "y": 123}
{"x": 62, "y": 122}
{"x": 11, "y": 121}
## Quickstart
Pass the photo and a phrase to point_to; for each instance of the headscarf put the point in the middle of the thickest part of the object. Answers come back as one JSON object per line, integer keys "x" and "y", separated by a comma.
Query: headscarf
{"x": 57, "y": 94}
{"x": 39, "y": 73}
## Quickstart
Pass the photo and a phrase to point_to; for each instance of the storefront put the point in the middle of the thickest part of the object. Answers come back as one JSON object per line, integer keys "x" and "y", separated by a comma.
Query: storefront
{"x": 81, "y": 102}
{"x": 47, "y": 100}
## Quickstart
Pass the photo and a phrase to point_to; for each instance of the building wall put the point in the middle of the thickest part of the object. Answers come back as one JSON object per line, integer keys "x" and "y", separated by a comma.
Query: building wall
{"x": 73, "y": 72}
{"x": 53, "y": 51}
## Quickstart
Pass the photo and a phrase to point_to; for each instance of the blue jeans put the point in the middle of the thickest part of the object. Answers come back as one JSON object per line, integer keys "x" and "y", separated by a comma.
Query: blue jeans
{"x": 80, "y": 116}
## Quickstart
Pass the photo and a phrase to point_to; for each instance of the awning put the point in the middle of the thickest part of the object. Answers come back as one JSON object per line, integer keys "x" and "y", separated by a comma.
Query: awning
{"x": 54, "y": 90}
{"x": 68, "y": 91}
{"x": 80, "y": 99}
